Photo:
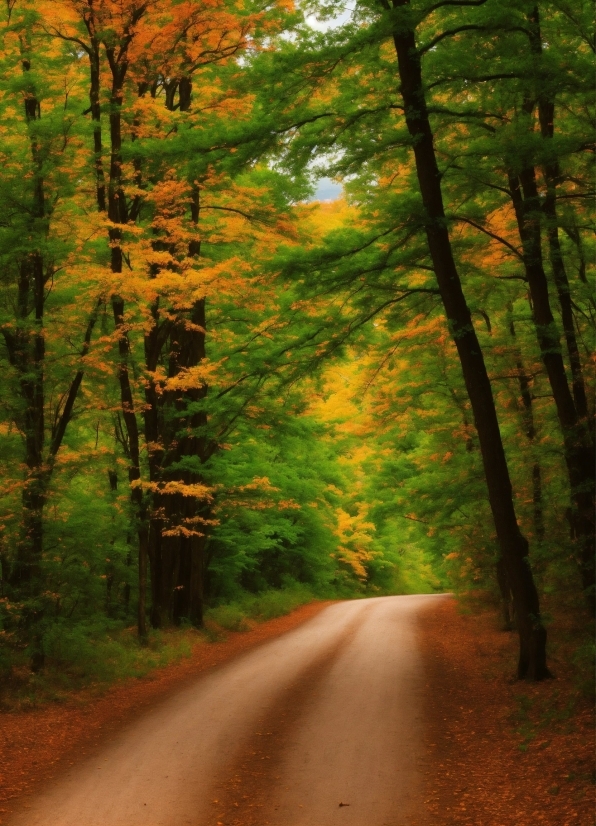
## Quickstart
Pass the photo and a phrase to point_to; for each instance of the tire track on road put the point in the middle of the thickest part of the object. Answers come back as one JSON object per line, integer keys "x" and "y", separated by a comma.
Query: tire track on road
{"x": 245, "y": 794}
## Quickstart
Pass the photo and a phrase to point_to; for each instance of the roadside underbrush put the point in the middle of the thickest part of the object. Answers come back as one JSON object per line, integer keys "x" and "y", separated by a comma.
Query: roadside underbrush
{"x": 248, "y": 609}
{"x": 557, "y": 706}
{"x": 571, "y": 647}
{"x": 93, "y": 655}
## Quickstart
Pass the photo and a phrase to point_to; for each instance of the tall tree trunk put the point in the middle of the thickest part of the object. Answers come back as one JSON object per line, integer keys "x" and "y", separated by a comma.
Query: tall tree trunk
{"x": 525, "y": 391}
{"x": 26, "y": 351}
{"x": 198, "y": 557}
{"x": 513, "y": 545}
{"x": 95, "y": 107}
{"x": 578, "y": 447}
{"x": 25, "y": 344}
{"x": 563, "y": 287}
{"x": 116, "y": 206}
{"x": 26, "y": 347}
{"x": 552, "y": 174}
{"x": 571, "y": 406}
{"x": 507, "y": 608}
{"x": 118, "y": 215}
{"x": 177, "y": 558}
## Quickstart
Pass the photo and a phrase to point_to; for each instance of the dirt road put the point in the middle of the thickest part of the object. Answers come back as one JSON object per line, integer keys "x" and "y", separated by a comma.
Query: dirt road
{"x": 316, "y": 728}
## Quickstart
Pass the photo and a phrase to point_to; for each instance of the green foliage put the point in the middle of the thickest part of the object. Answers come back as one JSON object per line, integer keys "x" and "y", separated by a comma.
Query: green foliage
{"x": 87, "y": 656}
{"x": 280, "y": 526}
{"x": 237, "y": 615}
{"x": 103, "y": 652}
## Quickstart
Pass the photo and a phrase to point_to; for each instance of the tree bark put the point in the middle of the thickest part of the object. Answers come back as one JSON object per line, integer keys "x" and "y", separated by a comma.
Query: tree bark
{"x": 513, "y": 545}
{"x": 571, "y": 406}
{"x": 525, "y": 391}
{"x": 178, "y": 558}
{"x": 506, "y": 601}
{"x": 578, "y": 446}
{"x": 26, "y": 351}
{"x": 546, "y": 114}
{"x": 26, "y": 348}
{"x": 118, "y": 214}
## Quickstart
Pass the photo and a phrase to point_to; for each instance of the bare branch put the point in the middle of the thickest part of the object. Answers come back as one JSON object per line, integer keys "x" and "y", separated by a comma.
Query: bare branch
{"x": 438, "y": 110}
{"x": 246, "y": 215}
{"x": 75, "y": 385}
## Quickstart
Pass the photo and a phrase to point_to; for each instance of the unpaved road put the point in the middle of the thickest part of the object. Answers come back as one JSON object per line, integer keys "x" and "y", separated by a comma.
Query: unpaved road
{"x": 327, "y": 714}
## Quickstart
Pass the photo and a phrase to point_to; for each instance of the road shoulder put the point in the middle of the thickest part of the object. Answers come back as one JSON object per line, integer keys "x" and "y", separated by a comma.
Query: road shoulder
{"x": 499, "y": 751}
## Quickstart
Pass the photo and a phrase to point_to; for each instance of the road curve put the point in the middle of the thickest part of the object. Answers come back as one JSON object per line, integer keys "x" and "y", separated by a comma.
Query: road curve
{"x": 327, "y": 714}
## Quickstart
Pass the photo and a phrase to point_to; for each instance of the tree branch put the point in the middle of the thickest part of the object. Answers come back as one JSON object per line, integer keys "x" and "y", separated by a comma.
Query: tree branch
{"x": 452, "y": 3}
{"x": 246, "y": 215}
{"x": 437, "y": 110}
{"x": 492, "y": 235}
{"x": 478, "y": 79}
{"x": 73, "y": 390}
{"x": 449, "y": 33}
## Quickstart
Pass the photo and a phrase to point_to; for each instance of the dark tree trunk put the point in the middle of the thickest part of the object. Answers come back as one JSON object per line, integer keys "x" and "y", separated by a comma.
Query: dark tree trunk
{"x": 578, "y": 446}
{"x": 118, "y": 214}
{"x": 197, "y": 586}
{"x": 26, "y": 352}
{"x": 506, "y": 600}
{"x": 177, "y": 559}
{"x": 179, "y": 524}
{"x": 25, "y": 344}
{"x": 95, "y": 108}
{"x": 525, "y": 390}
{"x": 564, "y": 294}
{"x": 513, "y": 545}
{"x": 26, "y": 570}
{"x": 163, "y": 556}
{"x": 156, "y": 569}
{"x": 546, "y": 114}
{"x": 571, "y": 406}
{"x": 143, "y": 537}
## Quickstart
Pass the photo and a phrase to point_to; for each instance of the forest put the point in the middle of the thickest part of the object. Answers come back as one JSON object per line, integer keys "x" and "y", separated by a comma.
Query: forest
{"x": 222, "y": 396}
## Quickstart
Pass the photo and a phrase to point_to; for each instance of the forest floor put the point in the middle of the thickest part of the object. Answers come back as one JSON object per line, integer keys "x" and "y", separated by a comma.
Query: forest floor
{"x": 503, "y": 752}
{"x": 498, "y": 752}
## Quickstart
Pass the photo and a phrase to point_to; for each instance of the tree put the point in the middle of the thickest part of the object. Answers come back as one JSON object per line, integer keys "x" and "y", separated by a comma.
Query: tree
{"x": 156, "y": 191}
{"x": 397, "y": 23}
{"x": 39, "y": 149}
{"x": 514, "y": 145}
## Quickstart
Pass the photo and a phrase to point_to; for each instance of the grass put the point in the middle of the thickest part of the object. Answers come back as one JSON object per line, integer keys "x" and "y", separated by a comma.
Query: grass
{"x": 90, "y": 656}
{"x": 253, "y": 608}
